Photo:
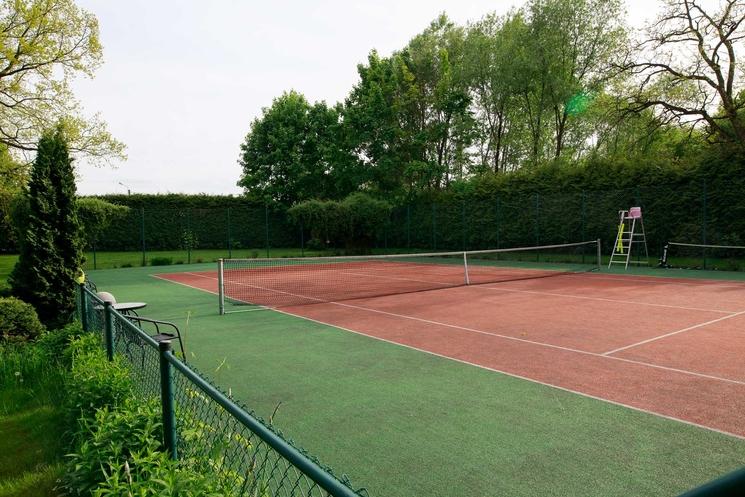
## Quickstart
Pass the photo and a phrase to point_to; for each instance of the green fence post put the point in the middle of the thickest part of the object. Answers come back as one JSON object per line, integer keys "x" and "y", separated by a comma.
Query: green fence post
{"x": 408, "y": 225}
{"x": 496, "y": 220}
{"x": 142, "y": 233}
{"x": 537, "y": 225}
{"x": 583, "y": 228}
{"x": 108, "y": 330}
{"x": 302, "y": 239}
{"x": 434, "y": 226}
{"x": 166, "y": 398}
{"x": 83, "y": 307}
{"x": 705, "y": 215}
{"x": 266, "y": 223}
{"x": 230, "y": 245}
{"x": 188, "y": 236}
{"x": 464, "y": 227}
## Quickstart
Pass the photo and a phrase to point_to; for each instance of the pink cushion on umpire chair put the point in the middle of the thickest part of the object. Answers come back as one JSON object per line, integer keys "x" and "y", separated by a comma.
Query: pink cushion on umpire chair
{"x": 635, "y": 212}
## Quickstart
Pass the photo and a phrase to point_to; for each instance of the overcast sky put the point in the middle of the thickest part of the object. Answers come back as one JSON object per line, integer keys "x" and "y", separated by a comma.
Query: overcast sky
{"x": 182, "y": 80}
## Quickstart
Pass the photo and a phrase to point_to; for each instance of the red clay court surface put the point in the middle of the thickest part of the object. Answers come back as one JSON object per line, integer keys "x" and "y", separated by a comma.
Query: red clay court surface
{"x": 673, "y": 347}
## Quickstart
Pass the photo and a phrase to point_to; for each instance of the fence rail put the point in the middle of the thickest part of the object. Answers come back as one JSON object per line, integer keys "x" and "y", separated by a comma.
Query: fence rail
{"x": 202, "y": 425}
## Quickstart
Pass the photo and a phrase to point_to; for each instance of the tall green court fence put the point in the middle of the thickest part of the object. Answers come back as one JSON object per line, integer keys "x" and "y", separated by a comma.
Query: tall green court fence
{"x": 201, "y": 424}
{"x": 695, "y": 212}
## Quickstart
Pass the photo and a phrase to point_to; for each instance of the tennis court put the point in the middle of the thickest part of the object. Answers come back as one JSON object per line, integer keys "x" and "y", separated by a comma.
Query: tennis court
{"x": 668, "y": 346}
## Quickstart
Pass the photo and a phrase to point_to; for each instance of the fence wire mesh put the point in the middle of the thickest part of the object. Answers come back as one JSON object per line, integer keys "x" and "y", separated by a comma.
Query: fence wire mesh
{"x": 692, "y": 211}
{"x": 214, "y": 434}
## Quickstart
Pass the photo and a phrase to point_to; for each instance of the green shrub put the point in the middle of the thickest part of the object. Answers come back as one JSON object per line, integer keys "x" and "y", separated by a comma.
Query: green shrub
{"x": 161, "y": 261}
{"x": 315, "y": 244}
{"x": 56, "y": 344}
{"x": 121, "y": 455}
{"x": 152, "y": 473}
{"x": 18, "y": 321}
{"x": 93, "y": 382}
{"x": 108, "y": 438}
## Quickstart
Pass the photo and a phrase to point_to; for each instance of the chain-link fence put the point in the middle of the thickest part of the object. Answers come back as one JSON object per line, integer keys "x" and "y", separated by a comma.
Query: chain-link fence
{"x": 202, "y": 425}
{"x": 693, "y": 211}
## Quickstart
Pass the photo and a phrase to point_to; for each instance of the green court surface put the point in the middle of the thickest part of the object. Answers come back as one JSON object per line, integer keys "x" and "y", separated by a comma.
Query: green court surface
{"x": 405, "y": 423}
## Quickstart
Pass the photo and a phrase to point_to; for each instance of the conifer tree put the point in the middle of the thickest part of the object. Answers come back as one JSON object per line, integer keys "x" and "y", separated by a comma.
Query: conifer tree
{"x": 50, "y": 245}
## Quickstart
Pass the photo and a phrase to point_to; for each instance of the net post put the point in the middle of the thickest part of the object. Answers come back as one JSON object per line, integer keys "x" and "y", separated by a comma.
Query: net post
{"x": 663, "y": 259}
{"x": 220, "y": 286}
{"x": 600, "y": 254}
{"x": 465, "y": 268}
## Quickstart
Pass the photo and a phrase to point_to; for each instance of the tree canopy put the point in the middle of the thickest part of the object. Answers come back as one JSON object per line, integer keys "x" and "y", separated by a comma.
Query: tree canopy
{"x": 555, "y": 82}
{"x": 43, "y": 45}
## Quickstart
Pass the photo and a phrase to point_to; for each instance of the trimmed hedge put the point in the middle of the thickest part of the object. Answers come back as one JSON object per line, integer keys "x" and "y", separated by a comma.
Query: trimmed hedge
{"x": 551, "y": 204}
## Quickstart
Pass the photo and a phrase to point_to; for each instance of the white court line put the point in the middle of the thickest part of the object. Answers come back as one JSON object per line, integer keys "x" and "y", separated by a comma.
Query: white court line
{"x": 507, "y": 337}
{"x": 602, "y": 299}
{"x": 520, "y": 377}
{"x": 665, "y": 280}
{"x": 484, "y": 286}
{"x": 577, "y": 392}
{"x": 653, "y": 339}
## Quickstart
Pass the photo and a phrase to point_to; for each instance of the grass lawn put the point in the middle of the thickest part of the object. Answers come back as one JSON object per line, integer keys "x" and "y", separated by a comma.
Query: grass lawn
{"x": 30, "y": 452}
{"x": 107, "y": 260}
{"x": 31, "y": 430}
{"x": 404, "y": 423}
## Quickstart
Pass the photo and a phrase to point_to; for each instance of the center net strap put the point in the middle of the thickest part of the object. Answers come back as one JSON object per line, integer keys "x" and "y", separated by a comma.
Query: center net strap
{"x": 298, "y": 281}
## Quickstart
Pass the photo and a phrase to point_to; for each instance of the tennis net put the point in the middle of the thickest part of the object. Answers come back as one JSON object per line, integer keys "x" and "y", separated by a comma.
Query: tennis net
{"x": 703, "y": 256}
{"x": 285, "y": 282}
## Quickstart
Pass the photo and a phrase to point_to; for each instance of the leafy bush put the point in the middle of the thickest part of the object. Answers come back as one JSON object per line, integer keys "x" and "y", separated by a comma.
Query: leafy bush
{"x": 356, "y": 221}
{"x": 121, "y": 455}
{"x": 56, "y": 344}
{"x": 152, "y": 473}
{"x": 93, "y": 381}
{"x": 161, "y": 261}
{"x": 108, "y": 438}
{"x": 96, "y": 215}
{"x": 18, "y": 321}
{"x": 366, "y": 217}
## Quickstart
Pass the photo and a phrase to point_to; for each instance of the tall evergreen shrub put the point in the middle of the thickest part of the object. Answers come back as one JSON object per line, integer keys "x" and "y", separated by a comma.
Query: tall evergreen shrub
{"x": 50, "y": 247}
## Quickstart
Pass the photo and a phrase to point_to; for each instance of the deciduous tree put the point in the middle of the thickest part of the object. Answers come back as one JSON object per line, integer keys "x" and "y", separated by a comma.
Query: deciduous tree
{"x": 43, "y": 44}
{"x": 685, "y": 67}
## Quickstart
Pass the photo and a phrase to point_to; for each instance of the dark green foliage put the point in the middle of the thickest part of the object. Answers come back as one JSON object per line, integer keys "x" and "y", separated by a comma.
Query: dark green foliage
{"x": 161, "y": 261}
{"x": 56, "y": 344}
{"x": 109, "y": 436}
{"x": 50, "y": 248}
{"x": 357, "y": 221}
{"x": 120, "y": 454}
{"x": 366, "y": 218}
{"x": 293, "y": 152}
{"x": 18, "y": 321}
{"x": 93, "y": 381}
{"x": 323, "y": 219}
{"x": 96, "y": 215}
